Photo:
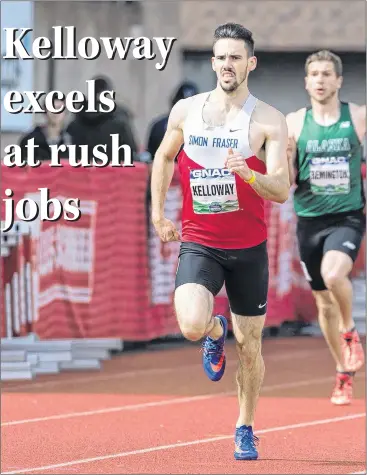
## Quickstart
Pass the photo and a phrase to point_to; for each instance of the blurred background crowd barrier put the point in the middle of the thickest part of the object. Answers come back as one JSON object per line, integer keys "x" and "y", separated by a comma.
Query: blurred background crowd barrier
{"x": 108, "y": 275}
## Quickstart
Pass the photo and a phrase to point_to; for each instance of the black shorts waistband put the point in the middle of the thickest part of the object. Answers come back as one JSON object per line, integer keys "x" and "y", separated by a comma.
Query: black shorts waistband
{"x": 358, "y": 213}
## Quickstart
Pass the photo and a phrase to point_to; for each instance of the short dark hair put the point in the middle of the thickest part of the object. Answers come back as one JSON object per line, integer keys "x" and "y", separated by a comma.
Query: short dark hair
{"x": 235, "y": 31}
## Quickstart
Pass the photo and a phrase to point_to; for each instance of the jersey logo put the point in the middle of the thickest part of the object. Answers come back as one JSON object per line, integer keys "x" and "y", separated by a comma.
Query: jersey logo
{"x": 344, "y": 125}
{"x": 234, "y": 130}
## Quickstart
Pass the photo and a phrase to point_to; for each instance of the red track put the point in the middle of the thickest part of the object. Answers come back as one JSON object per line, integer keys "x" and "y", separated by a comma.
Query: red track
{"x": 157, "y": 413}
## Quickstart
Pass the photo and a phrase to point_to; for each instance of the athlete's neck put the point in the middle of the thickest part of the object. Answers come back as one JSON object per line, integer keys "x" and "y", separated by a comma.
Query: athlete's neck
{"x": 326, "y": 113}
{"x": 233, "y": 98}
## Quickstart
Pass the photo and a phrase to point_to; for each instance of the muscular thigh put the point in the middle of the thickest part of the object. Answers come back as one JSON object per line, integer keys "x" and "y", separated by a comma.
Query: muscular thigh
{"x": 342, "y": 245}
{"x": 200, "y": 265}
{"x": 247, "y": 281}
{"x": 329, "y": 245}
{"x": 199, "y": 278}
{"x": 345, "y": 239}
{"x": 311, "y": 237}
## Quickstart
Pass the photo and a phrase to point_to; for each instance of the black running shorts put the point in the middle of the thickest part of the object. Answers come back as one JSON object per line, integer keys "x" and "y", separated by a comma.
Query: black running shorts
{"x": 343, "y": 232}
{"x": 244, "y": 272}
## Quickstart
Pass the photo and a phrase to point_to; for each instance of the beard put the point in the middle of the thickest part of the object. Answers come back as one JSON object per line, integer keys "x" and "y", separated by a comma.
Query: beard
{"x": 231, "y": 87}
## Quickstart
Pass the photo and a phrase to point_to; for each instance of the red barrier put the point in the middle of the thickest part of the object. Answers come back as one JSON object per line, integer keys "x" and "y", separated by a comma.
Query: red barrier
{"x": 17, "y": 303}
{"x": 108, "y": 274}
{"x": 93, "y": 274}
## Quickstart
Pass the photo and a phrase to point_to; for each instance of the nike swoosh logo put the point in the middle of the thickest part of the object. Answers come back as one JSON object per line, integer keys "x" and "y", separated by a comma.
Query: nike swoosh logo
{"x": 234, "y": 130}
{"x": 262, "y": 306}
{"x": 217, "y": 367}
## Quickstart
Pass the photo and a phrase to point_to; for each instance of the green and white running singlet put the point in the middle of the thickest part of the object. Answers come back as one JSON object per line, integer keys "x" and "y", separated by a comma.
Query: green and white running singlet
{"x": 328, "y": 162}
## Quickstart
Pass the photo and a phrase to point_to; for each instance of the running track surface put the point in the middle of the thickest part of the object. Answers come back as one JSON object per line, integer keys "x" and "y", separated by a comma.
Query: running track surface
{"x": 155, "y": 412}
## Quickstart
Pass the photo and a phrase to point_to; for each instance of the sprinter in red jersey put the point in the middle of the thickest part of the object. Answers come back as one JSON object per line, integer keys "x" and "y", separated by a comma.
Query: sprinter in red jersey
{"x": 234, "y": 156}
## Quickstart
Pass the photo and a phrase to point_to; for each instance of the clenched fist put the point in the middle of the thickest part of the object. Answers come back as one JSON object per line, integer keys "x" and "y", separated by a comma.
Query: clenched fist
{"x": 166, "y": 230}
{"x": 237, "y": 164}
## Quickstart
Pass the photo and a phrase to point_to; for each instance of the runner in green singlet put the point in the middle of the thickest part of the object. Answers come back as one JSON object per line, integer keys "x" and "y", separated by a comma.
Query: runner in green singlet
{"x": 325, "y": 152}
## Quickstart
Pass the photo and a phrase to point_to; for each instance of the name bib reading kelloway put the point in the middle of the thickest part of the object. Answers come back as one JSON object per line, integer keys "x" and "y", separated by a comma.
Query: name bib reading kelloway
{"x": 213, "y": 191}
{"x": 329, "y": 175}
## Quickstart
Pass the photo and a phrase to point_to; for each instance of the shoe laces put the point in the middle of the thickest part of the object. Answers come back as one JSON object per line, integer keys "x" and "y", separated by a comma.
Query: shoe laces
{"x": 351, "y": 337}
{"x": 246, "y": 438}
{"x": 210, "y": 346}
{"x": 341, "y": 381}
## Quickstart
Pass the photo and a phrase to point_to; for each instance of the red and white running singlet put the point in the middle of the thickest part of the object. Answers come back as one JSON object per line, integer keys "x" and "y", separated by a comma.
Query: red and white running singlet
{"x": 219, "y": 208}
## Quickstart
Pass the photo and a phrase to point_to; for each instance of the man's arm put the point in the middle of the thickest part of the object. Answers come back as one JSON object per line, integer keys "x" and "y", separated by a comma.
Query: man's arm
{"x": 274, "y": 186}
{"x": 163, "y": 164}
{"x": 358, "y": 114}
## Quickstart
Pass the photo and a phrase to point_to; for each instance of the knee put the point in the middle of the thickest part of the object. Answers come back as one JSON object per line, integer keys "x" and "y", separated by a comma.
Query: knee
{"x": 192, "y": 330}
{"x": 325, "y": 306}
{"x": 192, "y": 323}
{"x": 332, "y": 280}
{"x": 249, "y": 350}
{"x": 193, "y": 306}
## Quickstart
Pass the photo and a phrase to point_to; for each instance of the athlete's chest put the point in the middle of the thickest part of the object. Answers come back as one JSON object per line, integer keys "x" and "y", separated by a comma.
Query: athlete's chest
{"x": 209, "y": 147}
{"x": 215, "y": 141}
{"x": 337, "y": 139}
{"x": 327, "y": 158}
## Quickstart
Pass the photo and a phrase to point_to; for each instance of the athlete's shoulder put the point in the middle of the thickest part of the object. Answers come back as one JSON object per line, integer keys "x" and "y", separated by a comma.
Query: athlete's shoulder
{"x": 296, "y": 115}
{"x": 268, "y": 112}
{"x": 199, "y": 96}
{"x": 182, "y": 107}
{"x": 268, "y": 117}
{"x": 357, "y": 110}
{"x": 179, "y": 112}
{"x": 358, "y": 116}
{"x": 295, "y": 120}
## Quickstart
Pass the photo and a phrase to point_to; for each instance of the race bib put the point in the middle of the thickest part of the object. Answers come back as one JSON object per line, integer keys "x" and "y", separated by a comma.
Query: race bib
{"x": 329, "y": 175}
{"x": 213, "y": 191}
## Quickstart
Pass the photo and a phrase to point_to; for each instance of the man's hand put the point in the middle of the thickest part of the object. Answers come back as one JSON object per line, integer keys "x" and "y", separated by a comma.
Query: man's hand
{"x": 237, "y": 164}
{"x": 166, "y": 230}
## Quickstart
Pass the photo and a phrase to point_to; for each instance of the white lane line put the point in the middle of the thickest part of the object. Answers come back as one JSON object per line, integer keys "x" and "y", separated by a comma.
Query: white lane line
{"x": 182, "y": 444}
{"x": 164, "y": 402}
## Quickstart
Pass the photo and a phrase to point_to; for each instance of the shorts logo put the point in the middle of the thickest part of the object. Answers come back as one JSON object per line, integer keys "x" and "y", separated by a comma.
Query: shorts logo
{"x": 263, "y": 305}
{"x": 349, "y": 245}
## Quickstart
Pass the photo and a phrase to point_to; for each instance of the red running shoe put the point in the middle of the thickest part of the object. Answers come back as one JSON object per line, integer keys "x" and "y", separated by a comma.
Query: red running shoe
{"x": 343, "y": 390}
{"x": 352, "y": 351}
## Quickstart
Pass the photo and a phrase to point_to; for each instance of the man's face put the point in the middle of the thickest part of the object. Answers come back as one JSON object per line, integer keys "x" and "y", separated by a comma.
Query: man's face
{"x": 231, "y": 63}
{"x": 322, "y": 82}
